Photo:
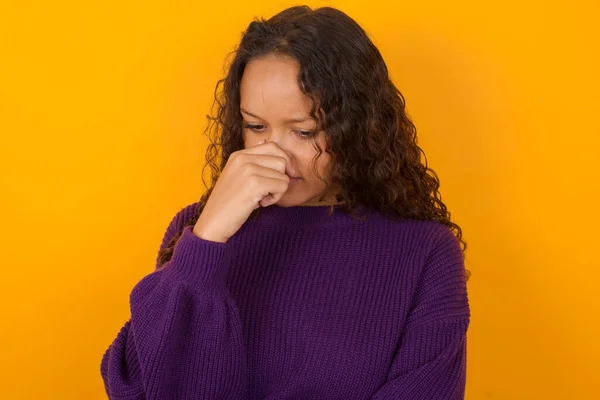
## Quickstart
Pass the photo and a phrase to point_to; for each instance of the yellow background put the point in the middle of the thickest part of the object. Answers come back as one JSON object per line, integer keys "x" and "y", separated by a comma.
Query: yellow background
{"x": 102, "y": 109}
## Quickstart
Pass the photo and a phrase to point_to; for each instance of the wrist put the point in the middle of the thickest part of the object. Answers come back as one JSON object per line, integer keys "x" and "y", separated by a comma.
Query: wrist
{"x": 206, "y": 235}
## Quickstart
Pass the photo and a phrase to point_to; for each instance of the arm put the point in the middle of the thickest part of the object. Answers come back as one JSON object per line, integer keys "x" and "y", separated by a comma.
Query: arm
{"x": 184, "y": 337}
{"x": 430, "y": 362}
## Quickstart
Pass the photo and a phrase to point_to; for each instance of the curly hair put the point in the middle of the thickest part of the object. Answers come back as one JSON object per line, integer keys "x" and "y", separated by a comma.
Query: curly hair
{"x": 375, "y": 159}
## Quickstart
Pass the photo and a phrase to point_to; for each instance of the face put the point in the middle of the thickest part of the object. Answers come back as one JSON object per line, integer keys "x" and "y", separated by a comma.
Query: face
{"x": 274, "y": 108}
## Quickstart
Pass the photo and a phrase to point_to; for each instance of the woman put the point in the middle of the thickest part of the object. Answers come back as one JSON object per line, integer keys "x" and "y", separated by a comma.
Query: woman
{"x": 321, "y": 262}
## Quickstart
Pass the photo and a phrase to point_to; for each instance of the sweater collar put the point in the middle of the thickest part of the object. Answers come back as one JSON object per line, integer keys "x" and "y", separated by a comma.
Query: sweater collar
{"x": 307, "y": 215}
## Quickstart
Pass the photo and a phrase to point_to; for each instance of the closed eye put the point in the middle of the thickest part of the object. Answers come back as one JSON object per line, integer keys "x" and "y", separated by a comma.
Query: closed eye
{"x": 301, "y": 134}
{"x": 253, "y": 127}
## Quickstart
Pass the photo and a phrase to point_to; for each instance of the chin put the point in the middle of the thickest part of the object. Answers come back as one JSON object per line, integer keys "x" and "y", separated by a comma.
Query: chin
{"x": 286, "y": 201}
{"x": 291, "y": 200}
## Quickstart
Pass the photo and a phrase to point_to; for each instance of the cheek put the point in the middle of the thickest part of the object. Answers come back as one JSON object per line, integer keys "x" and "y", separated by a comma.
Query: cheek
{"x": 323, "y": 163}
{"x": 322, "y": 167}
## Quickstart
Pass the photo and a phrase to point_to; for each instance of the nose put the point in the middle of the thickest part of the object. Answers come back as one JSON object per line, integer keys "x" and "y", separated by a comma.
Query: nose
{"x": 287, "y": 148}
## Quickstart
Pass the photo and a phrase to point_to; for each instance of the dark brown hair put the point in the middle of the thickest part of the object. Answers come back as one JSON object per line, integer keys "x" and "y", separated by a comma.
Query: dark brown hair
{"x": 375, "y": 159}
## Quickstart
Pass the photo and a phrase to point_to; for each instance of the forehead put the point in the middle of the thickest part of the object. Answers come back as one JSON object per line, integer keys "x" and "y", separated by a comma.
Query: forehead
{"x": 270, "y": 84}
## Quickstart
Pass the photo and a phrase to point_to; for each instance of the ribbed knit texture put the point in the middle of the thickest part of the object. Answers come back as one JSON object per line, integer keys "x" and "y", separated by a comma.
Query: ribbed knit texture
{"x": 298, "y": 305}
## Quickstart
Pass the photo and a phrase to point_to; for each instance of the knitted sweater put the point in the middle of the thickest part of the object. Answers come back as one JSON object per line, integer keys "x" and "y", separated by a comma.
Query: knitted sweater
{"x": 298, "y": 305}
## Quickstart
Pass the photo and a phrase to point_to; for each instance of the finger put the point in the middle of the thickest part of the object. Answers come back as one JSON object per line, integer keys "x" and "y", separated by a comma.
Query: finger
{"x": 275, "y": 150}
{"x": 267, "y": 201}
{"x": 273, "y": 190}
{"x": 267, "y": 171}
{"x": 274, "y": 163}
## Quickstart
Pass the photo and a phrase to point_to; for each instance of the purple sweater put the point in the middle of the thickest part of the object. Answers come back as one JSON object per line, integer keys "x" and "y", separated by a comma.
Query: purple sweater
{"x": 298, "y": 305}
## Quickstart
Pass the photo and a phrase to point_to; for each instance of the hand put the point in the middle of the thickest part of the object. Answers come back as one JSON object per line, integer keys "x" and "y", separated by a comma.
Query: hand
{"x": 254, "y": 177}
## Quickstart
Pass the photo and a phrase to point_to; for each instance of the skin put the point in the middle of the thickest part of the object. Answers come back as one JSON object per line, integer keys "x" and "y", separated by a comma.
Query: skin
{"x": 269, "y": 98}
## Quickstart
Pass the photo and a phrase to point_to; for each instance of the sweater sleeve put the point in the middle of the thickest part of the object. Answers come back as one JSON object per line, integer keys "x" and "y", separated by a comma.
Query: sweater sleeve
{"x": 430, "y": 362}
{"x": 184, "y": 336}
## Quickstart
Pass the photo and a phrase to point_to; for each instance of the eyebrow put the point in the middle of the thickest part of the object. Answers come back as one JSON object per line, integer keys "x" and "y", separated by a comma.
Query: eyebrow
{"x": 287, "y": 120}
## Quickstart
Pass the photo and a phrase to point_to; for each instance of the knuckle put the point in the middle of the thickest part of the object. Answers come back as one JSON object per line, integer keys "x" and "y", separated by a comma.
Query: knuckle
{"x": 253, "y": 181}
{"x": 234, "y": 159}
{"x": 248, "y": 169}
{"x": 281, "y": 164}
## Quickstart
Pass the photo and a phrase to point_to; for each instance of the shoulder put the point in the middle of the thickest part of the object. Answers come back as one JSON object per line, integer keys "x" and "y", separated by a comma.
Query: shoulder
{"x": 432, "y": 245}
{"x": 176, "y": 225}
{"x": 178, "y": 221}
{"x": 185, "y": 213}
{"x": 444, "y": 244}
{"x": 442, "y": 258}
{"x": 440, "y": 289}
{"x": 426, "y": 235}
